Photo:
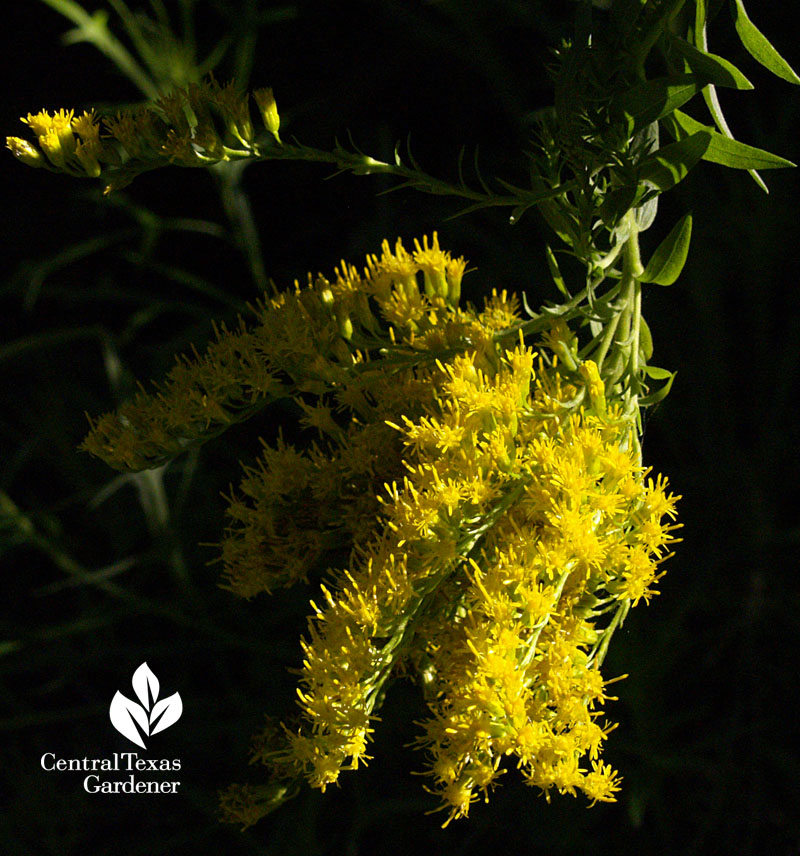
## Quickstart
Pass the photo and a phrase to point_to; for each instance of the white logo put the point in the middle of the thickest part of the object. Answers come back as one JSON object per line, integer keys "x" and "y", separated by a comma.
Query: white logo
{"x": 151, "y": 716}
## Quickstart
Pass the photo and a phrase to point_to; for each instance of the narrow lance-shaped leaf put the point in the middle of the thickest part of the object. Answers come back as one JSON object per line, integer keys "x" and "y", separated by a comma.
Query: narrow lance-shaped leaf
{"x": 717, "y": 69}
{"x": 759, "y": 47}
{"x": 661, "y": 393}
{"x": 654, "y": 20}
{"x": 555, "y": 272}
{"x": 700, "y": 16}
{"x": 724, "y": 150}
{"x": 645, "y": 340}
{"x": 715, "y": 108}
{"x": 649, "y": 101}
{"x": 667, "y": 261}
{"x": 710, "y": 92}
{"x": 645, "y": 213}
{"x": 670, "y": 164}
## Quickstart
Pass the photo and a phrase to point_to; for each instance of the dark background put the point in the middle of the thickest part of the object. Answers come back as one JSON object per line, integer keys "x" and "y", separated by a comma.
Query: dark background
{"x": 98, "y": 292}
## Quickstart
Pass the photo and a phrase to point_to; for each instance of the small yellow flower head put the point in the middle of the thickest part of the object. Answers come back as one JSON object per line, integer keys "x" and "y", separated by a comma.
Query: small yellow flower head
{"x": 54, "y": 135}
{"x": 87, "y": 127}
{"x": 232, "y": 103}
{"x": 40, "y": 123}
{"x": 562, "y": 342}
{"x": 62, "y": 126}
{"x": 51, "y": 146}
{"x": 173, "y": 106}
{"x": 601, "y": 783}
{"x": 269, "y": 110}
{"x": 433, "y": 264}
{"x": 122, "y": 128}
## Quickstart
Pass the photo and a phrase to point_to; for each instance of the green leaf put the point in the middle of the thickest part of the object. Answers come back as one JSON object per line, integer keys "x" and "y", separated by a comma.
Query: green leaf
{"x": 659, "y": 394}
{"x": 646, "y": 102}
{"x": 555, "y": 272}
{"x": 715, "y": 68}
{"x": 645, "y": 341}
{"x": 618, "y": 202}
{"x": 710, "y": 92}
{"x": 667, "y": 261}
{"x": 645, "y": 214}
{"x": 556, "y": 220}
{"x": 700, "y": 15}
{"x": 759, "y": 47}
{"x": 656, "y": 18}
{"x": 715, "y": 108}
{"x": 657, "y": 373}
{"x": 724, "y": 150}
{"x": 670, "y": 164}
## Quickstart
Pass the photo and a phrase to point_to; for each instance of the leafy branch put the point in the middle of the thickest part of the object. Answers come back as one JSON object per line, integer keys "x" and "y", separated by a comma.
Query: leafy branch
{"x": 597, "y": 163}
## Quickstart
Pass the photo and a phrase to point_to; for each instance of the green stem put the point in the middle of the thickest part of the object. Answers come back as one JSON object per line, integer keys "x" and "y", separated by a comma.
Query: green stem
{"x": 240, "y": 215}
{"x": 93, "y": 29}
{"x": 624, "y": 328}
{"x": 361, "y": 164}
{"x": 635, "y": 334}
{"x": 599, "y": 653}
{"x": 246, "y": 43}
{"x": 608, "y": 337}
{"x": 632, "y": 257}
{"x": 632, "y": 270}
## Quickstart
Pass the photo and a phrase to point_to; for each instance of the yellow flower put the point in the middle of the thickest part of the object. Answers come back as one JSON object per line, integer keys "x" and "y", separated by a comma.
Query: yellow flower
{"x": 40, "y": 123}
{"x": 87, "y": 127}
{"x": 478, "y": 526}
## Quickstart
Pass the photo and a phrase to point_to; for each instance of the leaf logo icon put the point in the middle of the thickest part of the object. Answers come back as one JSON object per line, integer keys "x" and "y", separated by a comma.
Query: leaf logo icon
{"x": 133, "y": 720}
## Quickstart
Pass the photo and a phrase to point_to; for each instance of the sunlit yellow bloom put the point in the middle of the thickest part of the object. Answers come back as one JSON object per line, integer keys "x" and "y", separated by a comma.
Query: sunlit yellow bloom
{"x": 87, "y": 127}
{"x": 480, "y": 513}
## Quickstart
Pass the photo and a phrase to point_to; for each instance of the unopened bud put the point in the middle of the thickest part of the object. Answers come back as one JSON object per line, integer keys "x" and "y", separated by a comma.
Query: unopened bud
{"x": 269, "y": 110}
{"x": 595, "y": 385}
{"x": 24, "y": 151}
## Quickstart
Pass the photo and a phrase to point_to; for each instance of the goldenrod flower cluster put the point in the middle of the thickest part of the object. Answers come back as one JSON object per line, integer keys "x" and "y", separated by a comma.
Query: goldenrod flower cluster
{"x": 196, "y": 126}
{"x": 491, "y": 502}
{"x": 67, "y": 143}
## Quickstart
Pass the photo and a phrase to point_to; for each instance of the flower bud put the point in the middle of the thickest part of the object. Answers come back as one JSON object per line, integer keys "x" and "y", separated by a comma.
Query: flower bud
{"x": 345, "y": 325}
{"x": 269, "y": 110}
{"x": 595, "y": 385}
{"x": 24, "y": 151}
